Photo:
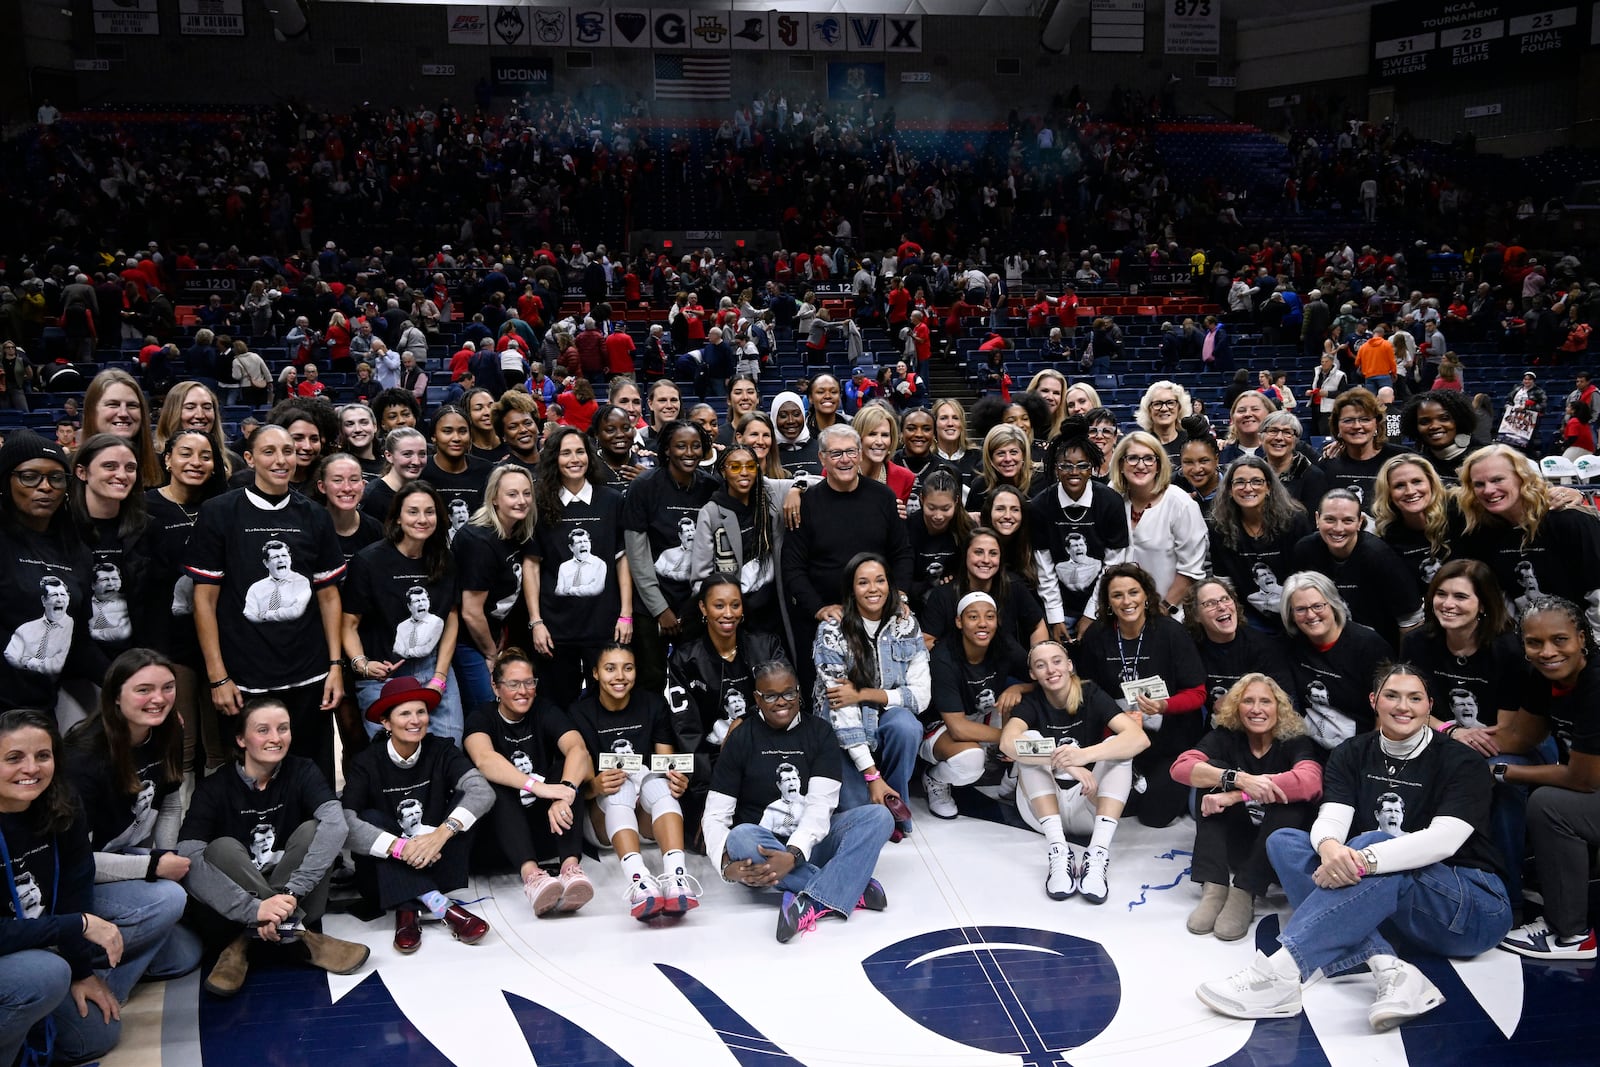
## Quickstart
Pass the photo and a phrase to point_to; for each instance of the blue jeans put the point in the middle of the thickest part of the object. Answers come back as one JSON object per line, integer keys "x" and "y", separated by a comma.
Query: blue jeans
{"x": 840, "y": 865}
{"x": 1378, "y": 381}
{"x": 32, "y": 983}
{"x": 126, "y": 903}
{"x": 1455, "y": 911}
{"x": 899, "y": 735}
{"x": 1508, "y": 817}
{"x": 445, "y": 721}
{"x": 472, "y": 675}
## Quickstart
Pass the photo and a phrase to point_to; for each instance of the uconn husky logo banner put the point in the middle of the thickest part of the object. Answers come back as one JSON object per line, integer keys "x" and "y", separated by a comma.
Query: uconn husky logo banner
{"x": 674, "y": 28}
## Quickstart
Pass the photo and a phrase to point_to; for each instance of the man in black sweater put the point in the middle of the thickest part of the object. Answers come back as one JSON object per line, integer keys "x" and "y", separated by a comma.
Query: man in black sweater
{"x": 840, "y": 518}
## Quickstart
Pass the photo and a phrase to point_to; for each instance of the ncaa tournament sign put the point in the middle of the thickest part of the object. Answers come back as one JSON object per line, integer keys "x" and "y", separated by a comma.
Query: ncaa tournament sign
{"x": 515, "y": 75}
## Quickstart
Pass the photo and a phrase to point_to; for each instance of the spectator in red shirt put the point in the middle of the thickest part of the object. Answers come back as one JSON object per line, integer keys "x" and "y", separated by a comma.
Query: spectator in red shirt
{"x": 923, "y": 337}
{"x": 591, "y": 344}
{"x": 310, "y": 385}
{"x": 578, "y": 404}
{"x": 899, "y": 301}
{"x": 1039, "y": 314}
{"x": 459, "y": 361}
{"x": 619, "y": 353}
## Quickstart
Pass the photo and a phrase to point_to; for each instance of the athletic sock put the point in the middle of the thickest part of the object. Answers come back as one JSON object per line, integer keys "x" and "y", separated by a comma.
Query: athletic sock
{"x": 436, "y": 903}
{"x": 672, "y": 861}
{"x": 1105, "y": 828}
{"x": 633, "y": 866}
{"x": 1051, "y": 825}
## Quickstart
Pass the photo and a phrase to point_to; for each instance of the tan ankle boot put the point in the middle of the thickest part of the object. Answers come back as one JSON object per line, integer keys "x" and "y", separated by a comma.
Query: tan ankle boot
{"x": 1233, "y": 922}
{"x": 227, "y": 977}
{"x": 332, "y": 954}
{"x": 1204, "y": 917}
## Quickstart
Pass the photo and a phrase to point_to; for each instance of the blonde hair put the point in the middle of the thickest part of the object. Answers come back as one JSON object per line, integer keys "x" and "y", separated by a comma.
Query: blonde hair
{"x": 952, "y": 402}
{"x": 1435, "y": 520}
{"x": 1185, "y": 402}
{"x": 1163, "y": 461}
{"x": 1006, "y": 434}
{"x": 1535, "y": 493}
{"x": 1074, "y": 684}
{"x": 172, "y": 411}
{"x": 1086, "y": 389}
{"x": 1061, "y": 408}
{"x": 488, "y": 517}
{"x": 1225, "y": 715}
{"x": 869, "y": 418}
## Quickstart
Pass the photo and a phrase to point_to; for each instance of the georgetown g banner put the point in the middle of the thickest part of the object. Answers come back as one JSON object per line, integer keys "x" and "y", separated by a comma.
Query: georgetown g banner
{"x": 851, "y": 81}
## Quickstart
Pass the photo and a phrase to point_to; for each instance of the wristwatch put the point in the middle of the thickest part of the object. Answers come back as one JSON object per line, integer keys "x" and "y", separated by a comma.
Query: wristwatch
{"x": 455, "y": 826}
{"x": 572, "y": 787}
{"x": 799, "y": 857}
{"x": 1499, "y": 771}
{"x": 1230, "y": 779}
{"x": 1370, "y": 859}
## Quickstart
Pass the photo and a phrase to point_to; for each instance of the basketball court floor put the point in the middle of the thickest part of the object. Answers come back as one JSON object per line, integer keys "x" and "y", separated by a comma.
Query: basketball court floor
{"x": 970, "y": 966}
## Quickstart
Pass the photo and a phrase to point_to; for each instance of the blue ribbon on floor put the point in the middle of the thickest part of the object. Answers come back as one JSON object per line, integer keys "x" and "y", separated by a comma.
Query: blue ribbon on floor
{"x": 1144, "y": 890}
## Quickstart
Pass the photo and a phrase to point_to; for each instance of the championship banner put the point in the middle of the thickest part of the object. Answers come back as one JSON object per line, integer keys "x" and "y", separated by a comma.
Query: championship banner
{"x": 211, "y": 18}
{"x": 1193, "y": 28}
{"x": 127, "y": 18}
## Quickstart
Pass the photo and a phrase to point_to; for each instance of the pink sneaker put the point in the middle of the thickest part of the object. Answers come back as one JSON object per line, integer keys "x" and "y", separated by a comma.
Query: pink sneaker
{"x": 576, "y": 889}
{"x": 543, "y": 892}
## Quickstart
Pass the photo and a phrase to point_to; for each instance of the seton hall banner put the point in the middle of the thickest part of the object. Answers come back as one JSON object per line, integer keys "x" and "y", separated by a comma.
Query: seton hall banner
{"x": 505, "y": 25}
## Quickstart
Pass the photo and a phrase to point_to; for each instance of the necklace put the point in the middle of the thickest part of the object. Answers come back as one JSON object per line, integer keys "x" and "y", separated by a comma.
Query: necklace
{"x": 1130, "y": 668}
{"x": 192, "y": 516}
{"x": 1398, "y": 753}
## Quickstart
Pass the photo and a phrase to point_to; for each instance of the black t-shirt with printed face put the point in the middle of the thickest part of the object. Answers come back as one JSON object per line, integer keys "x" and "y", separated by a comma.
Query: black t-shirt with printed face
{"x": 934, "y": 557}
{"x": 1469, "y": 690}
{"x": 116, "y": 584}
{"x": 961, "y": 687}
{"x": 164, "y": 612}
{"x": 1379, "y": 589}
{"x": 1231, "y": 749}
{"x": 224, "y": 805}
{"x": 1020, "y": 616}
{"x": 1563, "y": 560}
{"x": 1250, "y": 562}
{"x": 490, "y": 564}
{"x": 418, "y": 797}
{"x": 578, "y": 597}
{"x": 270, "y": 558}
{"x": 1573, "y": 714}
{"x": 402, "y": 610}
{"x": 1078, "y": 537}
{"x": 1249, "y": 652}
{"x": 44, "y": 615}
{"x": 768, "y": 772}
{"x": 1359, "y": 475}
{"x": 53, "y": 872}
{"x": 666, "y": 512}
{"x": 120, "y": 821}
{"x": 531, "y": 744}
{"x": 637, "y": 728}
{"x": 1403, "y": 796}
{"x": 1332, "y": 687}
{"x": 1417, "y": 552}
{"x": 1088, "y": 727}
{"x": 460, "y": 494}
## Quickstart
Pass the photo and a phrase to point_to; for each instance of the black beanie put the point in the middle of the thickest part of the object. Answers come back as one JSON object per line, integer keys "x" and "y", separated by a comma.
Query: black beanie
{"x": 24, "y": 445}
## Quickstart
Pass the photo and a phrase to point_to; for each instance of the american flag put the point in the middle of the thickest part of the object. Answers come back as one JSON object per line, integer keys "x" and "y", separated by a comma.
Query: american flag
{"x": 693, "y": 77}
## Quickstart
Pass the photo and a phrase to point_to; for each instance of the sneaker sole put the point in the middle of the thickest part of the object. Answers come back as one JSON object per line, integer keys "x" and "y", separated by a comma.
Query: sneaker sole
{"x": 576, "y": 895}
{"x": 648, "y": 909}
{"x": 1382, "y": 1022}
{"x": 1284, "y": 1011}
{"x": 1056, "y": 896}
{"x": 937, "y": 814}
{"x": 679, "y": 905}
{"x": 1551, "y": 954}
{"x": 547, "y": 899}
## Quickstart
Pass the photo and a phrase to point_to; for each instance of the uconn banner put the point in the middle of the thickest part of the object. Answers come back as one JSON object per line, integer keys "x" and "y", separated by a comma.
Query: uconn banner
{"x": 678, "y": 28}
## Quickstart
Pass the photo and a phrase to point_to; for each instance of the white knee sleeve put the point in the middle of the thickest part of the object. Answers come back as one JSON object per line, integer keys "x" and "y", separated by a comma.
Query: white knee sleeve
{"x": 658, "y": 799}
{"x": 1114, "y": 779}
{"x": 1077, "y": 811}
{"x": 964, "y": 768}
{"x": 620, "y": 811}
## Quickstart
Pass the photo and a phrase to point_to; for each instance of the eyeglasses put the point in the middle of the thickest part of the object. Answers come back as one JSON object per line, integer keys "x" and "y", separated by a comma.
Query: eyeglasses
{"x": 1074, "y": 468}
{"x": 1303, "y": 610}
{"x": 1131, "y": 460}
{"x": 741, "y": 468}
{"x": 786, "y": 696}
{"x": 842, "y": 453}
{"x": 1364, "y": 420}
{"x": 1278, "y": 431}
{"x": 519, "y": 685}
{"x": 1102, "y": 431}
{"x": 1162, "y": 405}
{"x": 1249, "y": 483}
{"x": 31, "y": 479}
{"x": 1214, "y": 603}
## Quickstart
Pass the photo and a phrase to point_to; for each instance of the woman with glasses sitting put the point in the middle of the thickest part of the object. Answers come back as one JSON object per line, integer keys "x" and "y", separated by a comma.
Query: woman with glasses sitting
{"x": 1360, "y": 446}
{"x": 1254, "y": 528}
{"x": 1161, "y": 412}
{"x": 1292, "y": 462}
{"x": 1329, "y": 654}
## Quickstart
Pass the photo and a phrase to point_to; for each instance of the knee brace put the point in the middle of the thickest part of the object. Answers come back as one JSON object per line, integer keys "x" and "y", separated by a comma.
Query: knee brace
{"x": 619, "y": 809}
{"x": 658, "y": 799}
{"x": 1114, "y": 779}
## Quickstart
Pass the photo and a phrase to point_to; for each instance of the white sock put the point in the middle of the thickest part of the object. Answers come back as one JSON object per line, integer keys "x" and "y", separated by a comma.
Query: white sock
{"x": 1051, "y": 825}
{"x": 1105, "y": 828}
{"x": 436, "y": 903}
{"x": 633, "y": 866}
{"x": 672, "y": 861}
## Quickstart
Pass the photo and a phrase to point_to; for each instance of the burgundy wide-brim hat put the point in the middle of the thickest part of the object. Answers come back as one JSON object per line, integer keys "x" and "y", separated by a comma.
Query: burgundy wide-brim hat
{"x": 400, "y": 691}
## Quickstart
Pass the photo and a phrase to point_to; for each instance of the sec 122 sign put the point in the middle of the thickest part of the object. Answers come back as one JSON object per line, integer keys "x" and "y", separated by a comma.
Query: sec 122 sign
{"x": 1438, "y": 39}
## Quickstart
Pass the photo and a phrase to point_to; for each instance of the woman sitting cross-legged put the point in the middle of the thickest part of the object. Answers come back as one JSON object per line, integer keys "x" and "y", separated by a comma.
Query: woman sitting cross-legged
{"x": 1397, "y": 841}
{"x": 771, "y": 818}
{"x": 409, "y": 803}
{"x": 65, "y": 969}
{"x": 261, "y": 838}
{"x": 1083, "y": 782}
{"x": 535, "y": 758}
{"x": 1260, "y": 772}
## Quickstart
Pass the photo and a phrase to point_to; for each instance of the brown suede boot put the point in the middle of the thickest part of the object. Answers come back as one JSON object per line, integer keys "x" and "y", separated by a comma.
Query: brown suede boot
{"x": 1203, "y": 919}
{"x": 227, "y": 977}
{"x": 333, "y": 955}
{"x": 1237, "y": 914}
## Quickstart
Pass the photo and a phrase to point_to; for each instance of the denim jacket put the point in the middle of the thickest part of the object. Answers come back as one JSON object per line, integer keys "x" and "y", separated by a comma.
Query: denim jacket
{"x": 902, "y": 672}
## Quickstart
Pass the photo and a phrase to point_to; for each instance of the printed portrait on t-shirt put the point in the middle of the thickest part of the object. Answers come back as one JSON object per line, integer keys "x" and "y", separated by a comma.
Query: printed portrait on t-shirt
{"x": 183, "y": 595}
{"x": 503, "y": 606}
{"x": 1390, "y": 814}
{"x": 584, "y": 574}
{"x": 674, "y": 562}
{"x": 419, "y": 634}
{"x": 108, "y": 608}
{"x": 31, "y": 894}
{"x": 1428, "y": 568}
{"x": 1464, "y": 707}
{"x": 1326, "y": 724}
{"x": 1268, "y": 597}
{"x": 782, "y": 816}
{"x": 1529, "y": 584}
{"x": 459, "y": 514}
{"x": 1080, "y": 570}
{"x": 409, "y": 814}
{"x": 282, "y": 596}
{"x": 524, "y": 765}
{"x": 41, "y": 645}
{"x": 263, "y": 846}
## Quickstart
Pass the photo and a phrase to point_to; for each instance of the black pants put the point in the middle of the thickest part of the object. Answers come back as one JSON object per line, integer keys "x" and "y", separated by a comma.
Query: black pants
{"x": 523, "y": 831}
{"x": 1164, "y": 799}
{"x": 311, "y": 728}
{"x": 563, "y": 676}
{"x": 392, "y": 882}
{"x": 1230, "y": 849}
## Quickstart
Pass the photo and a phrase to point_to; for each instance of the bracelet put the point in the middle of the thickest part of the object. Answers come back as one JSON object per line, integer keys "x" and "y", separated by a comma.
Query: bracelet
{"x": 336, "y": 663}
{"x": 535, "y": 622}
{"x": 360, "y": 663}
{"x": 436, "y": 683}
{"x": 399, "y": 847}
{"x": 1446, "y": 727}
{"x": 220, "y": 682}
{"x": 625, "y": 618}
{"x": 155, "y": 858}
{"x": 1246, "y": 796}
{"x": 871, "y": 776}
{"x": 85, "y": 924}
{"x": 529, "y": 783}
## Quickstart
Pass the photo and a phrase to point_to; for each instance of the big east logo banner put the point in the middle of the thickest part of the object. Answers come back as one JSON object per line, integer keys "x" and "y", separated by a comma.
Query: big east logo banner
{"x": 678, "y": 28}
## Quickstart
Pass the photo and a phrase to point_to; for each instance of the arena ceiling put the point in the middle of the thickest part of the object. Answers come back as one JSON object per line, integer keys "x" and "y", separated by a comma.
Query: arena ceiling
{"x": 1243, "y": 10}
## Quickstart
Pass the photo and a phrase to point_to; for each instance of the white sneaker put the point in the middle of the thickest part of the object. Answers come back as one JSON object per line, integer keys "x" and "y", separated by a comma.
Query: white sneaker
{"x": 1059, "y": 882}
{"x": 941, "y": 801}
{"x": 1537, "y": 941}
{"x": 1403, "y": 993}
{"x": 680, "y": 892}
{"x": 1092, "y": 884}
{"x": 1257, "y": 992}
{"x": 644, "y": 898}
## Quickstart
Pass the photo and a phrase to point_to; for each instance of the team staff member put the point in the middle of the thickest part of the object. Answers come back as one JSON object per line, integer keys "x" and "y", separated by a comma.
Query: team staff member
{"x": 1228, "y": 648}
{"x": 1378, "y": 588}
{"x": 1077, "y": 527}
{"x": 259, "y": 556}
{"x": 453, "y": 470}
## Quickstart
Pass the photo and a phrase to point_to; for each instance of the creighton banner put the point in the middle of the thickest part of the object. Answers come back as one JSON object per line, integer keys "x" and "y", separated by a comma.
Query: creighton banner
{"x": 666, "y": 28}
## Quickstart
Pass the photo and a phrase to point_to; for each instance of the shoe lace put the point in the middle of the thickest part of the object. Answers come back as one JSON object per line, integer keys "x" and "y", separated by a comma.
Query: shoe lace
{"x": 638, "y": 888}
{"x": 1388, "y": 980}
{"x": 1248, "y": 979}
{"x": 807, "y": 922}
{"x": 684, "y": 884}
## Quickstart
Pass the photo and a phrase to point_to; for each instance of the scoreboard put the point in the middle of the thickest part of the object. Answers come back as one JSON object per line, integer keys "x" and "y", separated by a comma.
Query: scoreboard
{"x": 1477, "y": 39}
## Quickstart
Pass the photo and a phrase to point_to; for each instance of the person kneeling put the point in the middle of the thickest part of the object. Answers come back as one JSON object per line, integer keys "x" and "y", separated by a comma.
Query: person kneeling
{"x": 261, "y": 839}
{"x": 770, "y": 818}
{"x": 1079, "y": 781}
{"x": 409, "y": 803}
{"x": 1417, "y": 860}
